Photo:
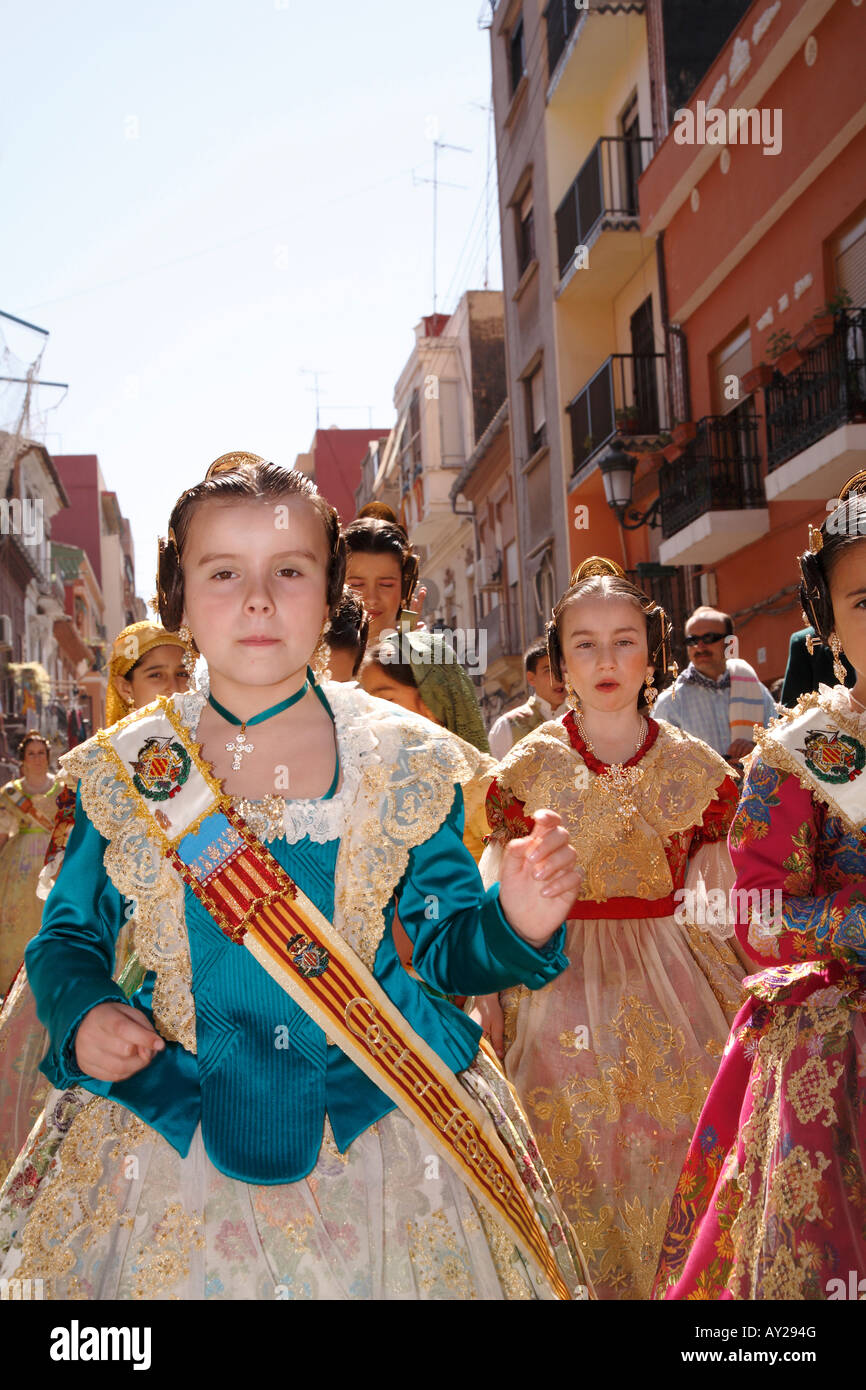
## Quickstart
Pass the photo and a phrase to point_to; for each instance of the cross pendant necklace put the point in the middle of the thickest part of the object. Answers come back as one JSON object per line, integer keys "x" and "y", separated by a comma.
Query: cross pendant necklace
{"x": 240, "y": 744}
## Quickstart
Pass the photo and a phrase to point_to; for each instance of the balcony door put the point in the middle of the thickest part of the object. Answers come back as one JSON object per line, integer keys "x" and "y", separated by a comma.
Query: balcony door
{"x": 629, "y": 129}
{"x": 645, "y": 384}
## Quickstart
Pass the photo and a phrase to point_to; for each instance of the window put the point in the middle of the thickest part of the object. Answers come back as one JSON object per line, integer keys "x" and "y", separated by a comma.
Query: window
{"x": 452, "y": 453}
{"x": 536, "y": 420}
{"x": 849, "y": 255}
{"x": 733, "y": 358}
{"x": 525, "y": 232}
{"x": 630, "y": 156}
{"x": 516, "y": 54}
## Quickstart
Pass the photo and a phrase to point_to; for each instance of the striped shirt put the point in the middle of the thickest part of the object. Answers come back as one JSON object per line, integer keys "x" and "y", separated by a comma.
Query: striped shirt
{"x": 702, "y": 708}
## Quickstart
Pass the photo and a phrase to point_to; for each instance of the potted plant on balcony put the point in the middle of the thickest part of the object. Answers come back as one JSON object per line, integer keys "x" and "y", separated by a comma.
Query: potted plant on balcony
{"x": 784, "y": 352}
{"x": 627, "y": 420}
{"x": 588, "y": 445}
{"x": 684, "y": 432}
{"x": 757, "y": 378}
{"x": 821, "y": 325}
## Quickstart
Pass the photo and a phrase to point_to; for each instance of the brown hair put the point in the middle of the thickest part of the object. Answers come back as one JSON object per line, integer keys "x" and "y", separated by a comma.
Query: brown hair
{"x": 375, "y": 535}
{"x": 249, "y": 477}
{"x": 612, "y": 585}
{"x": 32, "y": 736}
{"x": 845, "y": 526}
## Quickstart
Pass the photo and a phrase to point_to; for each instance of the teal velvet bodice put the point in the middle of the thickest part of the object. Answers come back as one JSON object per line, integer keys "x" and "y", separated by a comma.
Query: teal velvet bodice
{"x": 264, "y": 1075}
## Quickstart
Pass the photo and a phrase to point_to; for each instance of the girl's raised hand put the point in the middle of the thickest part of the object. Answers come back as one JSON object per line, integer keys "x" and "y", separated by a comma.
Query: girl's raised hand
{"x": 114, "y": 1041}
{"x": 539, "y": 879}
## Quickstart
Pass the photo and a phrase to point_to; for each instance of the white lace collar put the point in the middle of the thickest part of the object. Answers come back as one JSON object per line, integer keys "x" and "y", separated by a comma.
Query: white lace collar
{"x": 322, "y": 820}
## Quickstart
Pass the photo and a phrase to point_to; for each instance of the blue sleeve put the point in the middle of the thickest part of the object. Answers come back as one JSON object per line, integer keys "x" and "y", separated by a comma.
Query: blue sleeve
{"x": 770, "y": 711}
{"x": 69, "y": 967}
{"x": 462, "y": 942}
{"x": 665, "y": 708}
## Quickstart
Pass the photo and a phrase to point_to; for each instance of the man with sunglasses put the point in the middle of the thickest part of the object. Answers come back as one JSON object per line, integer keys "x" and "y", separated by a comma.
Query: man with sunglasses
{"x": 718, "y": 697}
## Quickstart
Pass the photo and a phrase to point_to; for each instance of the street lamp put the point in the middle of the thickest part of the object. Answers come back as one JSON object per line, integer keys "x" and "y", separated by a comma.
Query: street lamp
{"x": 617, "y": 468}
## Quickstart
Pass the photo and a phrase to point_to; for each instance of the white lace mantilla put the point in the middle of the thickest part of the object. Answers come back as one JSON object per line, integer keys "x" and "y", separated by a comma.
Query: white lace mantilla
{"x": 322, "y": 820}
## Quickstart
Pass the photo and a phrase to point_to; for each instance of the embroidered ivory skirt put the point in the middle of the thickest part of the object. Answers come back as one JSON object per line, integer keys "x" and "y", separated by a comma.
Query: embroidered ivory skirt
{"x": 100, "y": 1206}
{"x": 613, "y": 1061}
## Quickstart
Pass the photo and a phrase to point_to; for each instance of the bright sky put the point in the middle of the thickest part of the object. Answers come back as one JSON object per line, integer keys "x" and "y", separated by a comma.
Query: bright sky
{"x": 203, "y": 198}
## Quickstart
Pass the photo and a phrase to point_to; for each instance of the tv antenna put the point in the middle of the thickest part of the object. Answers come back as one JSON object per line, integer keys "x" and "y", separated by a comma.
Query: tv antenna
{"x": 437, "y": 184}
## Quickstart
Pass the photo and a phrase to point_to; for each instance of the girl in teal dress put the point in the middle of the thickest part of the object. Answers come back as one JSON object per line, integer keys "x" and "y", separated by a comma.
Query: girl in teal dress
{"x": 223, "y": 1134}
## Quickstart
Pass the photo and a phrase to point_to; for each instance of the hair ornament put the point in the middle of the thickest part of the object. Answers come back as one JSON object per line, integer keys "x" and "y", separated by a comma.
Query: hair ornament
{"x": 816, "y": 539}
{"x": 596, "y": 564}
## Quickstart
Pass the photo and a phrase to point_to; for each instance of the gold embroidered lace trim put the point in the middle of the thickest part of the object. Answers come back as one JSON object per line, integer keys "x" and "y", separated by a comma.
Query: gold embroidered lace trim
{"x": 787, "y": 1190}
{"x": 403, "y": 799}
{"x": 619, "y": 854}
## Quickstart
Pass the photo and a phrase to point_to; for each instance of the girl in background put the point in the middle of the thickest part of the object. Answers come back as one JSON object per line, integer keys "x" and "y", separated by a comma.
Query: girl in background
{"x": 27, "y": 809}
{"x": 614, "y": 1057}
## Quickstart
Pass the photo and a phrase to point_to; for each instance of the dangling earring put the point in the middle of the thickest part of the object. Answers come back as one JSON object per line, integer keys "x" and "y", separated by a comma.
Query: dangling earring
{"x": 571, "y": 695}
{"x": 838, "y": 669}
{"x": 130, "y": 700}
{"x": 650, "y": 694}
{"x": 319, "y": 659}
{"x": 190, "y": 656}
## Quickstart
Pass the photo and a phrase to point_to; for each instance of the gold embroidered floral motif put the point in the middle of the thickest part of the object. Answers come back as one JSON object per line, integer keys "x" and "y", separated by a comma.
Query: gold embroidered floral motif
{"x": 810, "y": 1090}
{"x": 433, "y": 1250}
{"x": 619, "y": 857}
{"x": 166, "y": 1260}
{"x": 794, "y": 1187}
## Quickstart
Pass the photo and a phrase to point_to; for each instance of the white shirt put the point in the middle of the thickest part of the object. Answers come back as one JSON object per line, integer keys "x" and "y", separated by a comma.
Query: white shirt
{"x": 502, "y": 734}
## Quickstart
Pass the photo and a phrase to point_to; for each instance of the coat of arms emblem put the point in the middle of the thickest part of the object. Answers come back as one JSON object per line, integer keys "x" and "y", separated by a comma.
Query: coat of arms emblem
{"x": 834, "y": 757}
{"x": 308, "y": 959}
{"x": 161, "y": 767}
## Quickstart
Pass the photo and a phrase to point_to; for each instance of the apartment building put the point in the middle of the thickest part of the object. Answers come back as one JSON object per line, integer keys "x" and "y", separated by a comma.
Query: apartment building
{"x": 764, "y": 260}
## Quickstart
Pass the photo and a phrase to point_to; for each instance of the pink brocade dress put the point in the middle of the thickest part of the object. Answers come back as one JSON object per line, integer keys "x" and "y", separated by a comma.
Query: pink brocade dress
{"x": 771, "y": 1202}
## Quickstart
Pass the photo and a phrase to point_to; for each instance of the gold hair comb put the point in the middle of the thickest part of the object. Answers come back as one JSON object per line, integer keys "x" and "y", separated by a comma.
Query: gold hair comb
{"x": 816, "y": 539}
{"x": 229, "y": 463}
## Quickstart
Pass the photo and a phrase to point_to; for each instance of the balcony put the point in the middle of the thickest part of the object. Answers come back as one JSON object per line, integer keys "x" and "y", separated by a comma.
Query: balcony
{"x": 816, "y": 416}
{"x": 631, "y": 387}
{"x": 502, "y": 626}
{"x": 712, "y": 497}
{"x": 599, "y": 214}
{"x": 588, "y": 33}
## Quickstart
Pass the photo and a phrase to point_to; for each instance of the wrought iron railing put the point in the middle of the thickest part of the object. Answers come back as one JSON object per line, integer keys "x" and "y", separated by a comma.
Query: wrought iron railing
{"x": 603, "y": 193}
{"x": 719, "y": 471}
{"x": 827, "y": 391}
{"x": 628, "y": 386}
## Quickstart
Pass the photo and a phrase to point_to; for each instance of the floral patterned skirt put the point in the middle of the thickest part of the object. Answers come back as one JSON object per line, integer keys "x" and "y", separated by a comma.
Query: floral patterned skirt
{"x": 771, "y": 1203}
{"x": 613, "y": 1061}
{"x": 23, "y": 1045}
{"x": 100, "y": 1206}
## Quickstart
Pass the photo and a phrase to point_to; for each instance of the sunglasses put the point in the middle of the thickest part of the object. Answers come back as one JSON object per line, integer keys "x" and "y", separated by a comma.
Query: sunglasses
{"x": 710, "y": 638}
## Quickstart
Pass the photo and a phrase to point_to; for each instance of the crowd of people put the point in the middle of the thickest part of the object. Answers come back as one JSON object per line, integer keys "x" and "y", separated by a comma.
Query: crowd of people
{"x": 329, "y": 992}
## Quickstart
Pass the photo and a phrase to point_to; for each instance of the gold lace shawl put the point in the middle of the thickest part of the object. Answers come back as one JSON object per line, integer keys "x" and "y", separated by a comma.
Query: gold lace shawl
{"x": 404, "y": 770}
{"x": 619, "y": 856}
{"x": 834, "y": 703}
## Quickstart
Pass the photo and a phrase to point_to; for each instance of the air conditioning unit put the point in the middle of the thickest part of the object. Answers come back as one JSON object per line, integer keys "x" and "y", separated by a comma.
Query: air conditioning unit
{"x": 5, "y": 630}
